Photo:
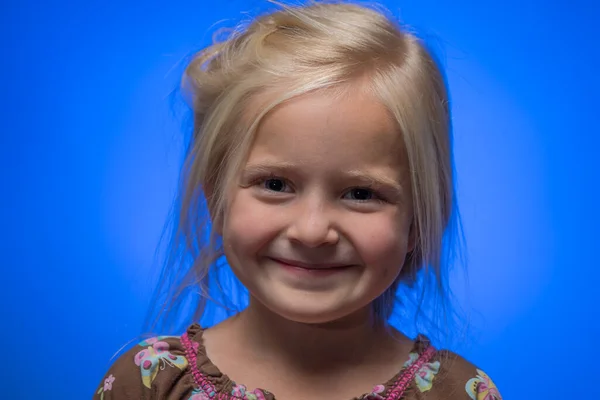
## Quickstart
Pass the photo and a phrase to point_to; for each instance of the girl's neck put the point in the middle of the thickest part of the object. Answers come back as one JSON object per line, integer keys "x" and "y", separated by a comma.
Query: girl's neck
{"x": 355, "y": 340}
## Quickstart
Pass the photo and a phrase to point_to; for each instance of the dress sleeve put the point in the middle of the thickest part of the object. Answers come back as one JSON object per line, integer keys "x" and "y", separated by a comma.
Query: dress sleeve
{"x": 458, "y": 379}
{"x": 153, "y": 369}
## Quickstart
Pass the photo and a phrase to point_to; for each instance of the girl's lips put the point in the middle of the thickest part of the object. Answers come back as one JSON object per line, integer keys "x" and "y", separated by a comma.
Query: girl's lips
{"x": 299, "y": 264}
{"x": 303, "y": 269}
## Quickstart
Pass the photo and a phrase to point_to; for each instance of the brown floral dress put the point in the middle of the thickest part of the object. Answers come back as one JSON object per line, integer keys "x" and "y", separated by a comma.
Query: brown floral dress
{"x": 177, "y": 367}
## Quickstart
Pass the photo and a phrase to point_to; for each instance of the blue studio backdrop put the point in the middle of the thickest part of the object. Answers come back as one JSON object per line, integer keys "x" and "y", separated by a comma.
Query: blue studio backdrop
{"x": 90, "y": 151}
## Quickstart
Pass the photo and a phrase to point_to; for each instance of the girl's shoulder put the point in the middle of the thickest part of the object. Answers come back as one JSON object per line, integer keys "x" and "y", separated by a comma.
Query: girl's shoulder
{"x": 156, "y": 367}
{"x": 445, "y": 375}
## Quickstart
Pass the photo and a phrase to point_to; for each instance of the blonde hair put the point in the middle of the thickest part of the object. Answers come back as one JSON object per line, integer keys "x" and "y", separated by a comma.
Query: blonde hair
{"x": 290, "y": 52}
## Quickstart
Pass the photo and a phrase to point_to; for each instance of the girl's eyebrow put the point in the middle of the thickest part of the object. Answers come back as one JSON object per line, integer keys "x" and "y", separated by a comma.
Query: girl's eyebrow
{"x": 268, "y": 167}
{"x": 367, "y": 178}
{"x": 372, "y": 178}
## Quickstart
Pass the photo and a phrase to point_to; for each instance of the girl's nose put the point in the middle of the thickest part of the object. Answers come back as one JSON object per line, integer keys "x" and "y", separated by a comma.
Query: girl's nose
{"x": 312, "y": 226}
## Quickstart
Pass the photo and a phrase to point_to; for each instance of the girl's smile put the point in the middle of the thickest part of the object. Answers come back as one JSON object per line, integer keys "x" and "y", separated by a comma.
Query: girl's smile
{"x": 307, "y": 271}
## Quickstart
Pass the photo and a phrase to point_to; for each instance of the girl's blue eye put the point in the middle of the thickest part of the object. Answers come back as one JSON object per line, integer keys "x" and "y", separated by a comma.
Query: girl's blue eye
{"x": 361, "y": 194}
{"x": 275, "y": 185}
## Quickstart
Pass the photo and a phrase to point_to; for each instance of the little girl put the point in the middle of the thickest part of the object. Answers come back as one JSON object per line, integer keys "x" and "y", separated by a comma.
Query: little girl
{"x": 322, "y": 151}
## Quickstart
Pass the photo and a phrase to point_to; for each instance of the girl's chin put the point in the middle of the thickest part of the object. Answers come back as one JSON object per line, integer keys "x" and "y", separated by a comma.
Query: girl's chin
{"x": 315, "y": 312}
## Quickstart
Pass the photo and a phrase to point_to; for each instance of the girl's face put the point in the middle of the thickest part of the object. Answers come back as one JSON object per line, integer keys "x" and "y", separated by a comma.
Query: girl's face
{"x": 319, "y": 223}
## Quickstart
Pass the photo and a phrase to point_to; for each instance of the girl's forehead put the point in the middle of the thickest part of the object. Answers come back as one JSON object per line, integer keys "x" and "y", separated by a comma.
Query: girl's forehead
{"x": 324, "y": 131}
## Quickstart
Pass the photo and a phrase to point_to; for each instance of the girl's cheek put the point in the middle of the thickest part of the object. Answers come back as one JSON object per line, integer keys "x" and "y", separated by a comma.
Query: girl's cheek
{"x": 249, "y": 220}
{"x": 380, "y": 240}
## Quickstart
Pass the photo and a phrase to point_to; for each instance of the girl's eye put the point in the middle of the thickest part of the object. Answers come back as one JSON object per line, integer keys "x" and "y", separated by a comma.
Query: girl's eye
{"x": 275, "y": 184}
{"x": 360, "y": 194}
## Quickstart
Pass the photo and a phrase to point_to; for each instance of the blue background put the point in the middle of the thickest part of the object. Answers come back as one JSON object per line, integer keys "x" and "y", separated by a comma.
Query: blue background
{"x": 89, "y": 156}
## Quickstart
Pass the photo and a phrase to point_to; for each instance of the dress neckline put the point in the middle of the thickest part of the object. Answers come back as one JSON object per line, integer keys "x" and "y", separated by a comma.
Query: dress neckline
{"x": 215, "y": 384}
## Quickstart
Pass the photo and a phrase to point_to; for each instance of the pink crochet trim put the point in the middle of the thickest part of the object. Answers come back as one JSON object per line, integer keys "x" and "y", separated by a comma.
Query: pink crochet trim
{"x": 404, "y": 380}
{"x": 199, "y": 378}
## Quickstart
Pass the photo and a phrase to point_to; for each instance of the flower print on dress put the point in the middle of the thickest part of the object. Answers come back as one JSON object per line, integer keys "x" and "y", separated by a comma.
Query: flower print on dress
{"x": 241, "y": 392}
{"x": 156, "y": 357}
{"x": 106, "y": 386}
{"x": 482, "y": 388}
{"x": 108, "y": 382}
{"x": 199, "y": 394}
{"x": 425, "y": 375}
{"x": 376, "y": 393}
